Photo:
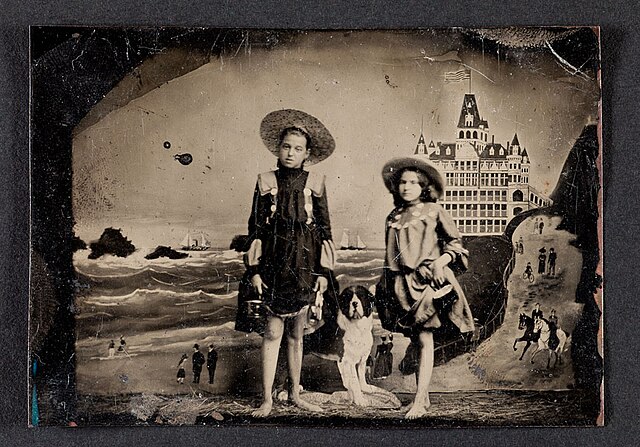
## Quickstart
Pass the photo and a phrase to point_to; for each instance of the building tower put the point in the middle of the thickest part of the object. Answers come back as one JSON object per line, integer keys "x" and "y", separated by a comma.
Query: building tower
{"x": 421, "y": 147}
{"x": 471, "y": 128}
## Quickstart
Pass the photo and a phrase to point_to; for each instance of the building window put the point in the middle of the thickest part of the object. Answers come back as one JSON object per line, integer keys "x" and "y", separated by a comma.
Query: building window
{"x": 501, "y": 151}
{"x": 461, "y": 135}
{"x": 475, "y": 134}
{"x": 491, "y": 151}
{"x": 517, "y": 210}
{"x": 468, "y": 134}
{"x": 448, "y": 151}
{"x": 517, "y": 196}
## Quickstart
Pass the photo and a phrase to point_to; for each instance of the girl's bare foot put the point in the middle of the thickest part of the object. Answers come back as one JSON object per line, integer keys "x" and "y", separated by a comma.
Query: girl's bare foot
{"x": 418, "y": 410}
{"x": 264, "y": 410}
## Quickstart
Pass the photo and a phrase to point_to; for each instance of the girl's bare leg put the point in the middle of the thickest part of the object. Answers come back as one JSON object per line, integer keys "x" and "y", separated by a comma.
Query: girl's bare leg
{"x": 421, "y": 402}
{"x": 294, "y": 357}
{"x": 270, "y": 347}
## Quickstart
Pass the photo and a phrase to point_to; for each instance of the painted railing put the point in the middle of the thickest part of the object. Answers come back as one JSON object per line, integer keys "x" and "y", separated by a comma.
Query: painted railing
{"x": 469, "y": 342}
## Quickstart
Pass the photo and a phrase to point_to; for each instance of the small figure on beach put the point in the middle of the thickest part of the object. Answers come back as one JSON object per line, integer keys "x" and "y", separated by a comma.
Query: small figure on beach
{"x": 418, "y": 290}
{"x": 291, "y": 255}
{"x": 383, "y": 360}
{"x": 368, "y": 372}
{"x": 181, "y": 371}
{"x": 212, "y": 360}
{"x": 123, "y": 345}
{"x": 197, "y": 360}
{"x": 553, "y": 256}
{"x": 112, "y": 349}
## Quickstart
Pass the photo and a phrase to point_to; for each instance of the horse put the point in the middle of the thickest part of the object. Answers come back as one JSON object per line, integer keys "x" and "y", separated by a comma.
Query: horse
{"x": 547, "y": 341}
{"x": 526, "y": 323}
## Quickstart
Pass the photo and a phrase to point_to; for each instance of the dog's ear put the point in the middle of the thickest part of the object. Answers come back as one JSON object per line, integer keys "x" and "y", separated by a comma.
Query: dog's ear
{"x": 345, "y": 299}
{"x": 367, "y": 299}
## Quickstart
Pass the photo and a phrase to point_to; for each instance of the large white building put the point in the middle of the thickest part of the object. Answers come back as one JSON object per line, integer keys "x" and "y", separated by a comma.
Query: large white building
{"x": 486, "y": 183}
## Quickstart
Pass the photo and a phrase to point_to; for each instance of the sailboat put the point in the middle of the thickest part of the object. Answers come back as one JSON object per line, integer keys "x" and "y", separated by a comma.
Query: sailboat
{"x": 195, "y": 242}
{"x": 345, "y": 242}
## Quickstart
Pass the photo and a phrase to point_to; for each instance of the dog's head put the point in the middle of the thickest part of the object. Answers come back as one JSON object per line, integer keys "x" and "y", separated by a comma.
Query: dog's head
{"x": 356, "y": 302}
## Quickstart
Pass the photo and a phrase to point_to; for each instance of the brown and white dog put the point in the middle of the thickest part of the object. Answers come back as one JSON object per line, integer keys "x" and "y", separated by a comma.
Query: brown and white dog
{"x": 356, "y": 320}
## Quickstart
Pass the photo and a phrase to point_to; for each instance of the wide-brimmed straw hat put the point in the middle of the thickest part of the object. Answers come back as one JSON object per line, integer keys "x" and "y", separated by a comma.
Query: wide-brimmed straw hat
{"x": 393, "y": 168}
{"x": 322, "y": 143}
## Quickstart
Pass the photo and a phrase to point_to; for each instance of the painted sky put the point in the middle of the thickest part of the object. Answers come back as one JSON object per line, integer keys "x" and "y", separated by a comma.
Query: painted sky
{"x": 371, "y": 90}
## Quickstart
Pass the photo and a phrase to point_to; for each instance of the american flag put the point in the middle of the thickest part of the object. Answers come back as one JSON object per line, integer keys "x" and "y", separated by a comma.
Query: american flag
{"x": 457, "y": 76}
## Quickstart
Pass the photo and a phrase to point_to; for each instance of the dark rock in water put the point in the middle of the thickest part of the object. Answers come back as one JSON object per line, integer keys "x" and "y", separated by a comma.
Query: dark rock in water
{"x": 163, "y": 251}
{"x": 78, "y": 244}
{"x": 240, "y": 243}
{"x": 111, "y": 242}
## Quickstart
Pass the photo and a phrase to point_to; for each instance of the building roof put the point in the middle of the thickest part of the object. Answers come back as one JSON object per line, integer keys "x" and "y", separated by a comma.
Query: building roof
{"x": 486, "y": 153}
{"x": 443, "y": 152}
{"x": 524, "y": 153}
{"x": 515, "y": 141}
{"x": 469, "y": 106}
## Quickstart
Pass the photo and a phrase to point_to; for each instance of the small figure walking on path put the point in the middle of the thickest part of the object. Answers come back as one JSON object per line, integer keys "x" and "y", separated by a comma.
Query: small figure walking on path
{"x": 112, "y": 348}
{"x": 552, "y": 262}
{"x": 542, "y": 261}
{"x": 212, "y": 360}
{"x": 197, "y": 361}
{"x": 520, "y": 246}
{"x": 181, "y": 372}
{"x": 541, "y": 226}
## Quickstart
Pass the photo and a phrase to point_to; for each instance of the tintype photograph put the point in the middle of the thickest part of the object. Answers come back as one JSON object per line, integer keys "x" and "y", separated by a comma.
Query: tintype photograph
{"x": 331, "y": 228}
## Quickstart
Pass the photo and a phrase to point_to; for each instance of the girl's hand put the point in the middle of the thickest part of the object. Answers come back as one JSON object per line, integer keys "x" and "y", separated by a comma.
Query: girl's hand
{"x": 322, "y": 284}
{"x": 437, "y": 274}
{"x": 437, "y": 269}
{"x": 258, "y": 285}
{"x": 425, "y": 274}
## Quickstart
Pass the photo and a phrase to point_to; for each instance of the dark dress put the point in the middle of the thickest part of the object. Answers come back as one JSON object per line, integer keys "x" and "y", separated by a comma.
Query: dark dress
{"x": 542, "y": 260}
{"x": 181, "y": 372}
{"x": 384, "y": 361}
{"x": 290, "y": 221}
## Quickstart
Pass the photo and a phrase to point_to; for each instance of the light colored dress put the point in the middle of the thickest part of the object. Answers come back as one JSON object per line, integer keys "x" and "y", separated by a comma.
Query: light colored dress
{"x": 418, "y": 235}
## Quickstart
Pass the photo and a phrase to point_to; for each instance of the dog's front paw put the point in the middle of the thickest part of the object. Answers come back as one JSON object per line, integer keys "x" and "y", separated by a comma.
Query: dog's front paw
{"x": 366, "y": 388}
{"x": 360, "y": 401}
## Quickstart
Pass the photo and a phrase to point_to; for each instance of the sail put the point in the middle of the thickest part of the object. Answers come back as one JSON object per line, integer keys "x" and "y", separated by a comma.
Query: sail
{"x": 203, "y": 241}
{"x": 344, "y": 242}
{"x": 186, "y": 242}
{"x": 360, "y": 245}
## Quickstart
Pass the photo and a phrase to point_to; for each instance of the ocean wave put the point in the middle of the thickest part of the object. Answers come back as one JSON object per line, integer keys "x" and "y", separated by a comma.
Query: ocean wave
{"x": 370, "y": 263}
{"x": 190, "y": 303}
{"x": 232, "y": 261}
{"x": 110, "y": 300}
{"x": 351, "y": 278}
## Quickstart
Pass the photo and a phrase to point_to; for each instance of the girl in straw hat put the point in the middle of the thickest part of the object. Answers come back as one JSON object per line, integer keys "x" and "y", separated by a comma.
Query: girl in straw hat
{"x": 291, "y": 257}
{"x": 419, "y": 291}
